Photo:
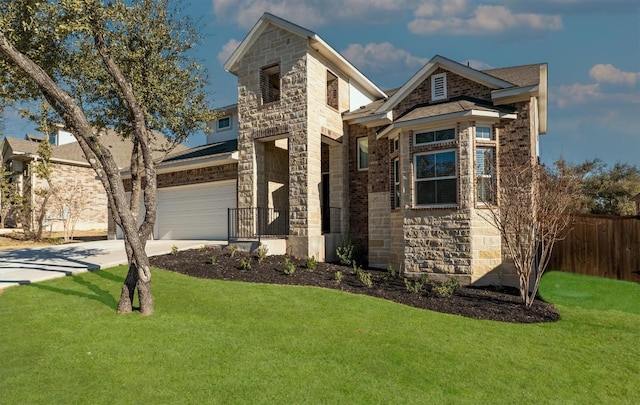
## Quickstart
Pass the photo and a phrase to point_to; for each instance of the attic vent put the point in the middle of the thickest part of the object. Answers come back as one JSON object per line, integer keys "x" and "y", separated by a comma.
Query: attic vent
{"x": 439, "y": 87}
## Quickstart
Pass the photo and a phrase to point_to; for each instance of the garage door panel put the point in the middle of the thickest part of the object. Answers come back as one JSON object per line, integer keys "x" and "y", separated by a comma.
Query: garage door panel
{"x": 195, "y": 212}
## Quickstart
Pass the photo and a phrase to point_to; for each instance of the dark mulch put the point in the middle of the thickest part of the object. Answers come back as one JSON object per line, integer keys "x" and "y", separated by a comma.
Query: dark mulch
{"x": 492, "y": 303}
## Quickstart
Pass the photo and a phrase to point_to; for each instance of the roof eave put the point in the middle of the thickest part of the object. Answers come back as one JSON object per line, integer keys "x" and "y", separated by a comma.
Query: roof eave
{"x": 444, "y": 118}
{"x": 375, "y": 120}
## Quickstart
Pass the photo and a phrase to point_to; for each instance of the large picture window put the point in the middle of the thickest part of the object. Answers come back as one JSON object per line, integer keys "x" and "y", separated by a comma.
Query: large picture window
{"x": 436, "y": 179}
{"x": 485, "y": 175}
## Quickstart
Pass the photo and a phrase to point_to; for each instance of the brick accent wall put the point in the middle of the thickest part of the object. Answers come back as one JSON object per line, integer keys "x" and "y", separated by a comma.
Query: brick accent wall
{"x": 456, "y": 86}
{"x": 358, "y": 189}
{"x": 193, "y": 176}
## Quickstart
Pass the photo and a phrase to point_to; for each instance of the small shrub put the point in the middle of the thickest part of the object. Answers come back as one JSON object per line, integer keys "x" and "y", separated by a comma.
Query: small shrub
{"x": 311, "y": 263}
{"x": 391, "y": 273}
{"x": 289, "y": 267}
{"x": 245, "y": 264}
{"x": 232, "y": 250}
{"x": 415, "y": 285}
{"x": 447, "y": 288}
{"x": 262, "y": 251}
{"x": 365, "y": 278}
{"x": 202, "y": 248}
{"x": 174, "y": 250}
{"x": 214, "y": 260}
{"x": 338, "y": 276}
{"x": 345, "y": 253}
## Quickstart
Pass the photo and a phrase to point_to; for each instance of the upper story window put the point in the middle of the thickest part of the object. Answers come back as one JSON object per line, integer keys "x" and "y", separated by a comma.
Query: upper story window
{"x": 440, "y": 135}
{"x": 436, "y": 179}
{"x": 224, "y": 123}
{"x": 270, "y": 83}
{"x": 363, "y": 153}
{"x": 439, "y": 87}
{"x": 483, "y": 132}
{"x": 332, "y": 90}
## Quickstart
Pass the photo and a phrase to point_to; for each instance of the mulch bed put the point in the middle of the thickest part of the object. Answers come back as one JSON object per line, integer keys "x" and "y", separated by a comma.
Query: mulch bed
{"x": 490, "y": 303}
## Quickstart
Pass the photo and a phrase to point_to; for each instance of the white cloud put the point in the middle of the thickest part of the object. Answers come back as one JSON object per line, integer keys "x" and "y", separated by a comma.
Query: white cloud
{"x": 381, "y": 57}
{"x": 458, "y": 18}
{"x": 610, "y": 74}
{"x": 310, "y": 13}
{"x": 226, "y": 51}
{"x": 567, "y": 95}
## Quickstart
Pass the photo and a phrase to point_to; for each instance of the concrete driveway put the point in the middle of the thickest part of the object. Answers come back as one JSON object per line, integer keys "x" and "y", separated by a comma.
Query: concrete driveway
{"x": 25, "y": 266}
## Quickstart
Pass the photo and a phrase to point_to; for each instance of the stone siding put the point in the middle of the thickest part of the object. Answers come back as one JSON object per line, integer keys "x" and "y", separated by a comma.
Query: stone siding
{"x": 193, "y": 176}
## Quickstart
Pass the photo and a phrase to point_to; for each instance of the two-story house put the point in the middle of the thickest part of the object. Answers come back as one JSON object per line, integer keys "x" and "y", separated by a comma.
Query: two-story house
{"x": 323, "y": 153}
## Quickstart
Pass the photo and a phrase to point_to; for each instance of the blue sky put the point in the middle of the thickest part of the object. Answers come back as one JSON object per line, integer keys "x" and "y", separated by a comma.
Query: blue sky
{"x": 592, "y": 48}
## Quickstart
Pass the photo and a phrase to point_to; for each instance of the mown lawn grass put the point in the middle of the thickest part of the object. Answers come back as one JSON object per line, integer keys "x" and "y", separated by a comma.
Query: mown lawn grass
{"x": 225, "y": 342}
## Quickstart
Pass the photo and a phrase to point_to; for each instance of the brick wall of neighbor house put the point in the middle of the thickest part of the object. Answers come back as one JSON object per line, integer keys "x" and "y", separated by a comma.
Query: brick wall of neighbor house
{"x": 456, "y": 86}
{"x": 76, "y": 182}
{"x": 193, "y": 176}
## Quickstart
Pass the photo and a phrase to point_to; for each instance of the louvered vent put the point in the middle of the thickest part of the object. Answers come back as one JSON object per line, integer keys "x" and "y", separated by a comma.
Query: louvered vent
{"x": 439, "y": 87}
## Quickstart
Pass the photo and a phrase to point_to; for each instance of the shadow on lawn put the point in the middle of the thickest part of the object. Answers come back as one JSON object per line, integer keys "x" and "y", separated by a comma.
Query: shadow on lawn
{"x": 95, "y": 293}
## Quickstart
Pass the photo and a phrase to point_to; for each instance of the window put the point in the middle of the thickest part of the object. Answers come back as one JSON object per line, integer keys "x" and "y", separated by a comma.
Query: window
{"x": 53, "y": 139}
{"x": 483, "y": 133}
{"x": 332, "y": 90}
{"x": 436, "y": 178}
{"x": 270, "y": 83}
{"x": 224, "y": 123}
{"x": 485, "y": 175}
{"x": 363, "y": 153}
{"x": 396, "y": 183}
{"x": 439, "y": 87}
{"x": 435, "y": 136}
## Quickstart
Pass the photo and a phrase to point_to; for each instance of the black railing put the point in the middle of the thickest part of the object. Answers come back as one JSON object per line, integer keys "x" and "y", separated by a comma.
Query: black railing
{"x": 257, "y": 223}
{"x": 331, "y": 220}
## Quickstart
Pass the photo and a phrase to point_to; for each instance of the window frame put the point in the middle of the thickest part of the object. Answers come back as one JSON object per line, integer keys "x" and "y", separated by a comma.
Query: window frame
{"x": 358, "y": 152}
{"x": 417, "y": 180}
{"x": 225, "y": 128}
{"x": 436, "y": 95}
{"x": 266, "y": 77}
{"x": 396, "y": 183}
{"x": 490, "y": 138}
{"x": 435, "y": 142}
{"x": 333, "y": 85}
{"x": 491, "y": 175}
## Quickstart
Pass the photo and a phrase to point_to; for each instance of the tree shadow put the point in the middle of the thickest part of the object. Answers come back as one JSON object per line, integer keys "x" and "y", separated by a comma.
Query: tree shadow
{"x": 95, "y": 292}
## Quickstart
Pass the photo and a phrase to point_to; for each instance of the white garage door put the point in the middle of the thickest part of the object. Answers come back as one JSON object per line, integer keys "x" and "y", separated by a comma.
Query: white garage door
{"x": 196, "y": 211}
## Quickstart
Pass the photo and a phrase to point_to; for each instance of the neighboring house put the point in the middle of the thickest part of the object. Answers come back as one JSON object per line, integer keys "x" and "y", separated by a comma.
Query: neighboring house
{"x": 323, "y": 153}
{"x": 71, "y": 173}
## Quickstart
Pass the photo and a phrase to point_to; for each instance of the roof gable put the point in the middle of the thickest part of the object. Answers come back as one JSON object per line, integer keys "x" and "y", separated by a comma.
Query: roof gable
{"x": 314, "y": 40}
{"x": 449, "y": 65}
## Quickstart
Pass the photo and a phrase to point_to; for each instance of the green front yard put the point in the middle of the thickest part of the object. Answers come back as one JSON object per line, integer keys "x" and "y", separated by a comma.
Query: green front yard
{"x": 225, "y": 342}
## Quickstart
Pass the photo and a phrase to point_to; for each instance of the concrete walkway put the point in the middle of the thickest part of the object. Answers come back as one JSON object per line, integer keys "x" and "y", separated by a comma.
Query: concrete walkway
{"x": 25, "y": 266}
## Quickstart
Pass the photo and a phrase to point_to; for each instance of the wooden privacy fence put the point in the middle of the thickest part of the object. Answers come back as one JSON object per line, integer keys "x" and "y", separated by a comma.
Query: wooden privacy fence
{"x": 599, "y": 245}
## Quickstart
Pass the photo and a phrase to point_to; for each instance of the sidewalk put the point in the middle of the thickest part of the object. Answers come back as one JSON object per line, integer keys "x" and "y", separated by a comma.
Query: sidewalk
{"x": 25, "y": 266}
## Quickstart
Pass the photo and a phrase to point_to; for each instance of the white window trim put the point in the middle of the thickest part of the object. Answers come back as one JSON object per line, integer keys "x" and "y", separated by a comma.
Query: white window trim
{"x": 218, "y": 128}
{"x": 434, "y": 78}
{"x": 492, "y": 176}
{"x": 360, "y": 168}
{"x": 415, "y": 137}
{"x": 396, "y": 184}
{"x": 416, "y": 180}
{"x": 490, "y": 132}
